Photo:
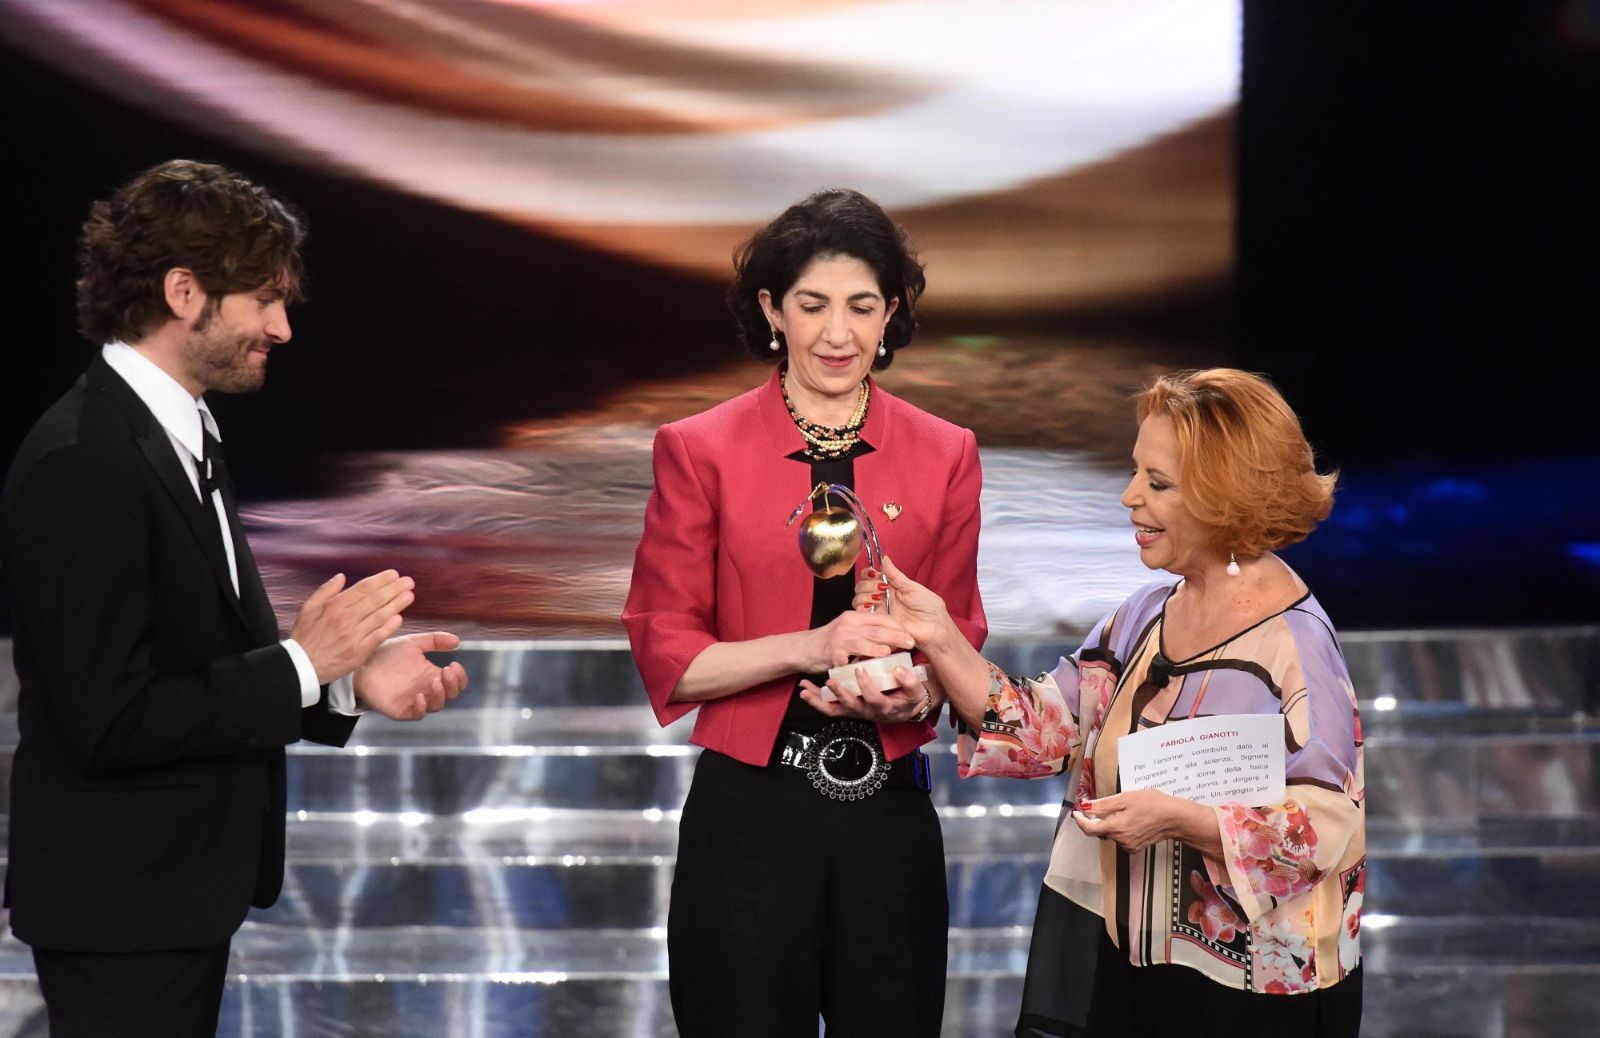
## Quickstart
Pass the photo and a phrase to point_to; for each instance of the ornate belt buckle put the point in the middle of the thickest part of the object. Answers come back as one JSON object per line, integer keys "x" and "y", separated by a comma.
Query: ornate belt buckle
{"x": 830, "y": 745}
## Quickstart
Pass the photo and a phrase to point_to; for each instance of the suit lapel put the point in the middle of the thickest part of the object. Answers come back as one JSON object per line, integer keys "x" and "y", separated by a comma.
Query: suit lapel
{"x": 257, "y": 608}
{"x": 156, "y": 446}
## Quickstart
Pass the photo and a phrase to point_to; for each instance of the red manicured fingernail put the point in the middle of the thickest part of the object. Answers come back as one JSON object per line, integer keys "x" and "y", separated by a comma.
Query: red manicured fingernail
{"x": 877, "y": 597}
{"x": 882, "y": 586}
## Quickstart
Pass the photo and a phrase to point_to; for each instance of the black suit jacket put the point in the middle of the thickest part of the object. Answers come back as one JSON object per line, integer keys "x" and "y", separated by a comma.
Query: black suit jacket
{"x": 147, "y": 791}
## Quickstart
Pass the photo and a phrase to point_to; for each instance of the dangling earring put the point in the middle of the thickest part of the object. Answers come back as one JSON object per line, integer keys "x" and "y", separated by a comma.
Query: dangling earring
{"x": 773, "y": 345}
{"x": 1233, "y": 565}
{"x": 882, "y": 352}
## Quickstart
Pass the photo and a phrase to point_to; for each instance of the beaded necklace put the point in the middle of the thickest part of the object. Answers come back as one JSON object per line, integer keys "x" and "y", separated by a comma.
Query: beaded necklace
{"x": 828, "y": 442}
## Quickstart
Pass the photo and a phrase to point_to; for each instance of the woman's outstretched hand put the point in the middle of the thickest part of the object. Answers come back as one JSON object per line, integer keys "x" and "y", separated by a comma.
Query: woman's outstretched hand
{"x": 921, "y": 612}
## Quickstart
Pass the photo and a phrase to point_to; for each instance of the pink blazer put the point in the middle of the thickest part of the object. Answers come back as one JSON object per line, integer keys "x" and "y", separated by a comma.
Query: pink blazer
{"x": 716, "y": 562}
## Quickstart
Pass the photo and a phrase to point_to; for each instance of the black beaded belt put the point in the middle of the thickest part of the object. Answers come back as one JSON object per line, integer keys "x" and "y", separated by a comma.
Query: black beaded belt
{"x": 845, "y": 761}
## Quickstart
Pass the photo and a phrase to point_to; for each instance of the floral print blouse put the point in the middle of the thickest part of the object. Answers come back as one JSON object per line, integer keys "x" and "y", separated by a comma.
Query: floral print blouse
{"x": 1281, "y": 913}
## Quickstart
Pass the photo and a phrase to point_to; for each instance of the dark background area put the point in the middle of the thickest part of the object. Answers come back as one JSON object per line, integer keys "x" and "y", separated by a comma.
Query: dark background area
{"x": 426, "y": 326}
{"x": 1419, "y": 223}
{"x": 1417, "y": 268}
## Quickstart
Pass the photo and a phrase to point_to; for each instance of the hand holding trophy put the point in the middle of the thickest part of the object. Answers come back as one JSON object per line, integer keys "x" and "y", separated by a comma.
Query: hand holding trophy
{"x": 832, "y": 538}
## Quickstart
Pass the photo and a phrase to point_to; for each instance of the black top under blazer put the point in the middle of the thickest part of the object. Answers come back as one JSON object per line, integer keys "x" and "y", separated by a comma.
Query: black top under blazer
{"x": 147, "y": 790}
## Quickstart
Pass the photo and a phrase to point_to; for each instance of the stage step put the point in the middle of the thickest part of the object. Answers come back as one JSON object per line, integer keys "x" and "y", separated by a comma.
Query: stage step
{"x": 581, "y": 869}
{"x": 1505, "y": 765}
{"x": 1460, "y": 977}
{"x": 1542, "y": 669}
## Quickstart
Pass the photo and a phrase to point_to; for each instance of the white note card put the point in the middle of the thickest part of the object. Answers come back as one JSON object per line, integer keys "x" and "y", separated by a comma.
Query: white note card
{"x": 1227, "y": 759}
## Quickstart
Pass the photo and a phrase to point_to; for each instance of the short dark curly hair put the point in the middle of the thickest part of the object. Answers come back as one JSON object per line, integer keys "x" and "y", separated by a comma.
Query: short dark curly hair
{"x": 835, "y": 222}
{"x": 232, "y": 233}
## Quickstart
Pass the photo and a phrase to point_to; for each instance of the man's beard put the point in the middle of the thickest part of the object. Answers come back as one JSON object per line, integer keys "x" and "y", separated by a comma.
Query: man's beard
{"x": 219, "y": 357}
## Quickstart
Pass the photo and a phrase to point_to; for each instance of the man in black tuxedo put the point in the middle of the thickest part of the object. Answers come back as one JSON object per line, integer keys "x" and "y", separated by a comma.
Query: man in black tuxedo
{"x": 147, "y": 791}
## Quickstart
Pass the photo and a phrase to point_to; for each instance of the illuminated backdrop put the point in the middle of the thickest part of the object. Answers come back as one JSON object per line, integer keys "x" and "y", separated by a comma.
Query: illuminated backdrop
{"x": 522, "y": 215}
{"x": 1056, "y": 163}
{"x": 1055, "y": 138}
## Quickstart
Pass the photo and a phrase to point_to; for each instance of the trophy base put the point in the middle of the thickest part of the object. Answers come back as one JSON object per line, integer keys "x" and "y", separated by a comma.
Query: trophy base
{"x": 880, "y": 673}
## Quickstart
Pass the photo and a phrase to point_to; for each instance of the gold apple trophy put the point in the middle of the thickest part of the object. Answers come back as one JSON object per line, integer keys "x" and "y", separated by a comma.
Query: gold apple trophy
{"x": 831, "y": 539}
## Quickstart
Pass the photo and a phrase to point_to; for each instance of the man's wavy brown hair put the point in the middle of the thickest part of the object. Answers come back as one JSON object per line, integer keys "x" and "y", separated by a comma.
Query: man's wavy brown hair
{"x": 1245, "y": 467}
{"x": 233, "y": 234}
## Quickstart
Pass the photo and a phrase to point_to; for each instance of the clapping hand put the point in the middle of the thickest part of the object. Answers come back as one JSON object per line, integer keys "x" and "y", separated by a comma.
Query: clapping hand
{"x": 340, "y": 627}
{"x": 402, "y": 683}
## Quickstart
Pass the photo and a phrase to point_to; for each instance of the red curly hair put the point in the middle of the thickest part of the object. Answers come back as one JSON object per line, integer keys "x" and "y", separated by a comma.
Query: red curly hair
{"x": 1248, "y": 473}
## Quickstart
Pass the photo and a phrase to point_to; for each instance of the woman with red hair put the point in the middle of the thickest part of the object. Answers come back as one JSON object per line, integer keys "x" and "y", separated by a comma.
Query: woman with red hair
{"x": 1159, "y": 914}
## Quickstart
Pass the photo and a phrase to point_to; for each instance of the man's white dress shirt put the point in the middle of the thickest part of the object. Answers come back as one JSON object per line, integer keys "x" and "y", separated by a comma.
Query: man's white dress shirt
{"x": 182, "y": 415}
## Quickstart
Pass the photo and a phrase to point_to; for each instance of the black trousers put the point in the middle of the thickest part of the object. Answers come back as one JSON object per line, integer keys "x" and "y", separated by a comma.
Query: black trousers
{"x": 787, "y": 904}
{"x": 162, "y": 994}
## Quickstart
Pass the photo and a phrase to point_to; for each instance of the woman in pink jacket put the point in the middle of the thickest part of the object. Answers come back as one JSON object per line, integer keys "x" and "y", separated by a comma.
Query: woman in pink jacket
{"x": 795, "y": 894}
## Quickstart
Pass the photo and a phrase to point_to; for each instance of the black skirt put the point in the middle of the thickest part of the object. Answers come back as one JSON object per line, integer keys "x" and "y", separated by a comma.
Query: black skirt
{"x": 1122, "y": 1000}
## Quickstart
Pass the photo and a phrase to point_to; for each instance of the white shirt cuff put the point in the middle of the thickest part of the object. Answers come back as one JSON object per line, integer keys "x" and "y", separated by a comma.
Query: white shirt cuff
{"x": 310, "y": 691}
{"x": 342, "y": 697}
{"x": 341, "y": 691}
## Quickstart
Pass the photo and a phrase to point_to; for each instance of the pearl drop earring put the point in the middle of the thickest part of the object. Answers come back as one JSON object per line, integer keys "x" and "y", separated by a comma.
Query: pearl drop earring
{"x": 1233, "y": 565}
{"x": 773, "y": 345}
